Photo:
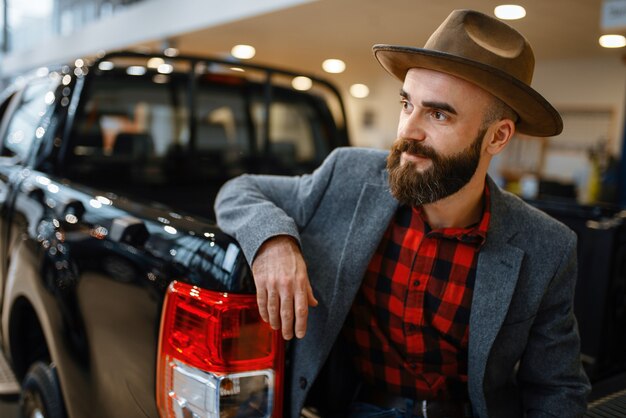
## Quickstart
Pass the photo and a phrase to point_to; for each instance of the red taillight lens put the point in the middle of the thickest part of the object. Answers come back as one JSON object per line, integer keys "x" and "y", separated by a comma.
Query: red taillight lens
{"x": 217, "y": 358}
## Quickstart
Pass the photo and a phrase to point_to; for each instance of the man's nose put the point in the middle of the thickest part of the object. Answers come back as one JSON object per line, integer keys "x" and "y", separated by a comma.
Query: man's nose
{"x": 410, "y": 127}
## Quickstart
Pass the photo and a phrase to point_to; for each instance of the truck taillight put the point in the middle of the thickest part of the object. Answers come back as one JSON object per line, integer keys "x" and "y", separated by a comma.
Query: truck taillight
{"x": 217, "y": 358}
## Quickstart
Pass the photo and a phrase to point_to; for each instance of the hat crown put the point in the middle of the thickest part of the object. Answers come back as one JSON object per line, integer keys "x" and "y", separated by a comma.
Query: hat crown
{"x": 483, "y": 39}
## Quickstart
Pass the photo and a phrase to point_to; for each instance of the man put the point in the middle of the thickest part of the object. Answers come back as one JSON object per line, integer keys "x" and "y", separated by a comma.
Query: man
{"x": 451, "y": 297}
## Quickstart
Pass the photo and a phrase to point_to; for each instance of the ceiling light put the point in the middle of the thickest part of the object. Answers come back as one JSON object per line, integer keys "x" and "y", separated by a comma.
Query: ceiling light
{"x": 360, "y": 91}
{"x": 509, "y": 12}
{"x": 302, "y": 83}
{"x": 136, "y": 70}
{"x": 612, "y": 41}
{"x": 170, "y": 52}
{"x": 334, "y": 66}
{"x": 237, "y": 69}
{"x": 106, "y": 65}
{"x": 154, "y": 62}
{"x": 165, "y": 68}
{"x": 243, "y": 52}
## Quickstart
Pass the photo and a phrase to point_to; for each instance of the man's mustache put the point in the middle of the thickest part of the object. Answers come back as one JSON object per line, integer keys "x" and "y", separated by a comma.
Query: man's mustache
{"x": 414, "y": 147}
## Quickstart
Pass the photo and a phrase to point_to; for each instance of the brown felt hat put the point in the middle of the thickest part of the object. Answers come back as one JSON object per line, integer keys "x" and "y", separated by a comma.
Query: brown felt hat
{"x": 484, "y": 51}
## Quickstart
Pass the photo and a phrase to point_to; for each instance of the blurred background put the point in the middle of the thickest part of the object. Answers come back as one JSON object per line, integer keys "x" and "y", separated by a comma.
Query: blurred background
{"x": 584, "y": 80}
{"x": 578, "y": 177}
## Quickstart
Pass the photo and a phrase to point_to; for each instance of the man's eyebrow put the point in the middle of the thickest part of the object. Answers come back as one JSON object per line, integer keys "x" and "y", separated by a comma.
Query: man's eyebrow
{"x": 431, "y": 104}
{"x": 440, "y": 106}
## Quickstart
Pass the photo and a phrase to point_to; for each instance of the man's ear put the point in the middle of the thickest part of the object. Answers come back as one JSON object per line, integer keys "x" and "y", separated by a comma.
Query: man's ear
{"x": 501, "y": 133}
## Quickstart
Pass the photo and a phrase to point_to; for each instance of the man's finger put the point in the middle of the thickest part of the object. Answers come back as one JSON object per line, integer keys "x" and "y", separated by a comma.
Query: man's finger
{"x": 261, "y": 300}
{"x": 273, "y": 309}
{"x": 302, "y": 312}
{"x": 309, "y": 294}
{"x": 286, "y": 316}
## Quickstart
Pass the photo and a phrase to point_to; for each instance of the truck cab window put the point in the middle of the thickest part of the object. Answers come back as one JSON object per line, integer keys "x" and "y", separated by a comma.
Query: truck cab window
{"x": 31, "y": 117}
{"x": 294, "y": 143}
{"x": 151, "y": 138}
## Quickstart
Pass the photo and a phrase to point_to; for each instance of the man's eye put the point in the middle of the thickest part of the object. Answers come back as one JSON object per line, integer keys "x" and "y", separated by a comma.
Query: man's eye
{"x": 440, "y": 115}
{"x": 405, "y": 104}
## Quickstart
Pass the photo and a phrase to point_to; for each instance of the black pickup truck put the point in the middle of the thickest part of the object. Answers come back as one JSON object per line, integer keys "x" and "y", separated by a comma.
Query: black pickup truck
{"x": 119, "y": 295}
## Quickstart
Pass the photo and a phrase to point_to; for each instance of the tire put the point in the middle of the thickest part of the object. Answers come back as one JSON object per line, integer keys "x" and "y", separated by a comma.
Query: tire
{"x": 41, "y": 394}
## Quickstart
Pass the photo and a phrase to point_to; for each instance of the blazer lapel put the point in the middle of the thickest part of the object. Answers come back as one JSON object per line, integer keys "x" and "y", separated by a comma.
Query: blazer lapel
{"x": 374, "y": 210}
{"x": 497, "y": 273}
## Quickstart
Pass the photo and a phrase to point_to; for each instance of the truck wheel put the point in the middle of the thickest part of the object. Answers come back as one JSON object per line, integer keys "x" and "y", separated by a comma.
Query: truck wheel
{"x": 41, "y": 394}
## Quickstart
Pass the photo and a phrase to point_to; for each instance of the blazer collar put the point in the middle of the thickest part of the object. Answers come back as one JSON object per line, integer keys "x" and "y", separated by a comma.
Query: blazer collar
{"x": 497, "y": 273}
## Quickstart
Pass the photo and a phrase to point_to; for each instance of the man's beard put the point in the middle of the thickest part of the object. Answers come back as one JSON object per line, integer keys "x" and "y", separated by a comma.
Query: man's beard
{"x": 446, "y": 176}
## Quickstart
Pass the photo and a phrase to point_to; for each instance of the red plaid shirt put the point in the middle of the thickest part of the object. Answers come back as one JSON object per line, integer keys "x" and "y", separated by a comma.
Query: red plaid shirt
{"x": 409, "y": 323}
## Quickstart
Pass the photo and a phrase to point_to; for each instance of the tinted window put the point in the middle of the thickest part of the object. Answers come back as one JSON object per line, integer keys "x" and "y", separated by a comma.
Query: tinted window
{"x": 116, "y": 109}
{"x": 292, "y": 136}
{"x": 136, "y": 136}
{"x": 31, "y": 117}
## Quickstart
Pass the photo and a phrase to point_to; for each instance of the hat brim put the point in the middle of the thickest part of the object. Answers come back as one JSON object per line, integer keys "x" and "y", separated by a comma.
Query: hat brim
{"x": 537, "y": 117}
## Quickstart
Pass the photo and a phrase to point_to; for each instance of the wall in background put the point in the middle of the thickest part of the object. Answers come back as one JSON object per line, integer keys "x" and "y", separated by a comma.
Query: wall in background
{"x": 586, "y": 91}
{"x": 567, "y": 84}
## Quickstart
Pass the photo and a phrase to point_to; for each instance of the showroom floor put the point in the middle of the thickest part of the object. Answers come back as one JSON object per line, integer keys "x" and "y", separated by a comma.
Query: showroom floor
{"x": 8, "y": 406}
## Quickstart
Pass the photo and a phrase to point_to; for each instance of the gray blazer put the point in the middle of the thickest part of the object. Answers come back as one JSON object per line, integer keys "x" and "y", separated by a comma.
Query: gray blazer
{"x": 523, "y": 355}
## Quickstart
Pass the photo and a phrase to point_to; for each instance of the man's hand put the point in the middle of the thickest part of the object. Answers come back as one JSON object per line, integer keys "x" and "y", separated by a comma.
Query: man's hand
{"x": 283, "y": 289}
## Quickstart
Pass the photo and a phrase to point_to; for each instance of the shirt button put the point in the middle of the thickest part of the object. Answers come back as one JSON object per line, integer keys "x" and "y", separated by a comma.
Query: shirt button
{"x": 416, "y": 283}
{"x": 303, "y": 382}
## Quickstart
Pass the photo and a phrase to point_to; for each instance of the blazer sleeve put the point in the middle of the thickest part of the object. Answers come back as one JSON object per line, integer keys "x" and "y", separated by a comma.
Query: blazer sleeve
{"x": 254, "y": 208}
{"x": 551, "y": 377}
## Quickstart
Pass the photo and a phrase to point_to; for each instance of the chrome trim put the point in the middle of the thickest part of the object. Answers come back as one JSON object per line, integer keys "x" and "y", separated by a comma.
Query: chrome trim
{"x": 212, "y": 383}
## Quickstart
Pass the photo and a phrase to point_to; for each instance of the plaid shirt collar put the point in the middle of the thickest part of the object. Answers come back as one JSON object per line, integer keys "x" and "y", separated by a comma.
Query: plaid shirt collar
{"x": 473, "y": 234}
